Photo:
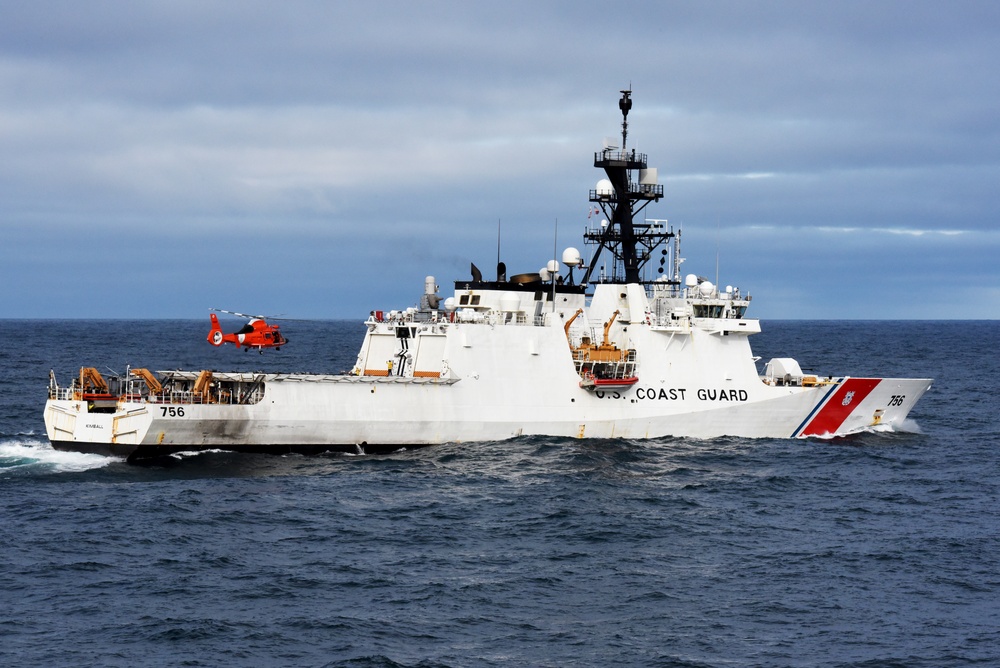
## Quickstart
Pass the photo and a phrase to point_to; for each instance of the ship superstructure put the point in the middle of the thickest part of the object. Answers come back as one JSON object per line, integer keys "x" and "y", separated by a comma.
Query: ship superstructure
{"x": 630, "y": 349}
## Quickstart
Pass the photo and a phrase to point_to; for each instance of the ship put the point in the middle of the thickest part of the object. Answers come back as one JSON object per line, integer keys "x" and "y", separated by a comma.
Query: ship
{"x": 620, "y": 346}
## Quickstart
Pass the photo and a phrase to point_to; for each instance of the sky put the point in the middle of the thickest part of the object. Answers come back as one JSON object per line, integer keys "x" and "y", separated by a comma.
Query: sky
{"x": 319, "y": 159}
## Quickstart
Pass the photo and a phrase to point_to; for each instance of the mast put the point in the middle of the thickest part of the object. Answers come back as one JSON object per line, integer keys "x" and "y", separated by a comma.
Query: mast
{"x": 631, "y": 243}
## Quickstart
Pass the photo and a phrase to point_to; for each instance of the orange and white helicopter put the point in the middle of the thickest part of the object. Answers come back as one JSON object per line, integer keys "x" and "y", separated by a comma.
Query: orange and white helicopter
{"x": 255, "y": 334}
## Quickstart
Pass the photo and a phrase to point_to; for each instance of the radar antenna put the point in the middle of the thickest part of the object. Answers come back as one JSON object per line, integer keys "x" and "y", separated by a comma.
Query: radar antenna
{"x": 625, "y": 104}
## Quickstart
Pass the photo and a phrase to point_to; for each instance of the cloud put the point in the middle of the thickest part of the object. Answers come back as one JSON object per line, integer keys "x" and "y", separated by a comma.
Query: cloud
{"x": 388, "y": 139}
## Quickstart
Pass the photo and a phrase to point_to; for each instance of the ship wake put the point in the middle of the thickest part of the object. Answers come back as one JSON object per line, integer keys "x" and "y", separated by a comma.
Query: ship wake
{"x": 25, "y": 456}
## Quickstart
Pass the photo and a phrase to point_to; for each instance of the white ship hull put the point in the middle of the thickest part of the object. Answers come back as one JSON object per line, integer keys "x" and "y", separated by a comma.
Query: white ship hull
{"x": 502, "y": 381}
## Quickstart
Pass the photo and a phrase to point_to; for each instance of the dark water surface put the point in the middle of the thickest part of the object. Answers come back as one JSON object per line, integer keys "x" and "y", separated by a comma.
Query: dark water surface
{"x": 876, "y": 550}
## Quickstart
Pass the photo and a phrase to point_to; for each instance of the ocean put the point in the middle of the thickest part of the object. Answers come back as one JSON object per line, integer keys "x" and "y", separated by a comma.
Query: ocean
{"x": 882, "y": 549}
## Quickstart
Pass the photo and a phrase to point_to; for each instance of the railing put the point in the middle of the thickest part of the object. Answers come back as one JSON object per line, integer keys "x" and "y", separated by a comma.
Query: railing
{"x": 612, "y": 155}
{"x": 222, "y": 395}
{"x": 460, "y": 315}
{"x": 61, "y": 393}
{"x": 608, "y": 370}
{"x": 635, "y": 190}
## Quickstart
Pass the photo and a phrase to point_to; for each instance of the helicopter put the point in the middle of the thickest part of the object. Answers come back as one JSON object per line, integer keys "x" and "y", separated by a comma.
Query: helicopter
{"x": 257, "y": 333}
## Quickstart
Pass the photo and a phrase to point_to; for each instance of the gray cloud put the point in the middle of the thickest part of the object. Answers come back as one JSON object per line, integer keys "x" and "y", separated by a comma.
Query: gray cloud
{"x": 291, "y": 133}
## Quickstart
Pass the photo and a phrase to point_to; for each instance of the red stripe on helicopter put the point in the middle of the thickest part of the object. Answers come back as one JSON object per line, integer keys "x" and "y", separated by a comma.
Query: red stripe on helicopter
{"x": 843, "y": 402}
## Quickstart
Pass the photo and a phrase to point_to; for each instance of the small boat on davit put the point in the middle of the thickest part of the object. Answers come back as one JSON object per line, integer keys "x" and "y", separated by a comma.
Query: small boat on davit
{"x": 631, "y": 349}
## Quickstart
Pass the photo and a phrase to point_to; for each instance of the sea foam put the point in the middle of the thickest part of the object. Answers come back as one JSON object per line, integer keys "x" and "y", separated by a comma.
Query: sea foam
{"x": 22, "y": 454}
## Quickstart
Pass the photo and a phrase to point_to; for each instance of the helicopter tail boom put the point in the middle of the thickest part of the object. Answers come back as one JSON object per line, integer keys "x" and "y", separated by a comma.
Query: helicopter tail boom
{"x": 215, "y": 335}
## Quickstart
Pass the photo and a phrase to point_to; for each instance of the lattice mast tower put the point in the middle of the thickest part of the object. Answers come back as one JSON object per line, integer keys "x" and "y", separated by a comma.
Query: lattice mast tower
{"x": 622, "y": 198}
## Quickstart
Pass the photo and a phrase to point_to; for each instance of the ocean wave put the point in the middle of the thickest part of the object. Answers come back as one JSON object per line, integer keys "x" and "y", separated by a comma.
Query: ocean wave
{"x": 29, "y": 455}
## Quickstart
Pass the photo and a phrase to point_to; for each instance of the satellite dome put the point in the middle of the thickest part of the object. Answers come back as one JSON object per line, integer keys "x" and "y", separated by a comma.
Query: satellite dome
{"x": 604, "y": 187}
{"x": 509, "y": 302}
{"x": 571, "y": 257}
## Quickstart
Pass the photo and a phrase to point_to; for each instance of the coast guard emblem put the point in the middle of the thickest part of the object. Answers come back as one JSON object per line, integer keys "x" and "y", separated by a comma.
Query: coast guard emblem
{"x": 847, "y": 398}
